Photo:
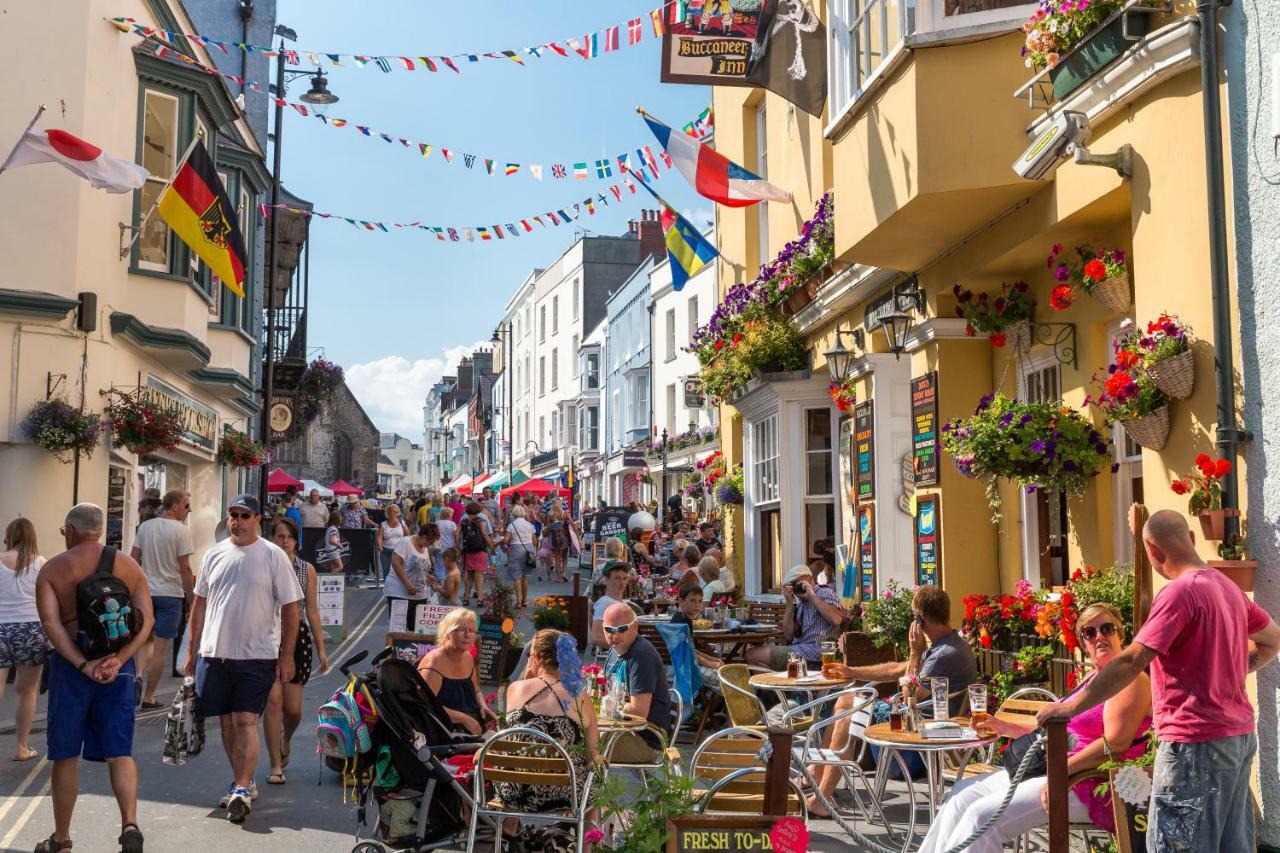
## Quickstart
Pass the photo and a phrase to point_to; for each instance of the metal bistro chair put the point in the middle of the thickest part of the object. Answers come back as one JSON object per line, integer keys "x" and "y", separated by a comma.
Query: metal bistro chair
{"x": 1024, "y": 701}
{"x": 669, "y": 755}
{"x": 526, "y": 756}
{"x": 729, "y": 760}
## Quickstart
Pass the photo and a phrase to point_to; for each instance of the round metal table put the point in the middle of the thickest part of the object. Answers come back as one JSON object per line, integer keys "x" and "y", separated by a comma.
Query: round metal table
{"x": 883, "y": 736}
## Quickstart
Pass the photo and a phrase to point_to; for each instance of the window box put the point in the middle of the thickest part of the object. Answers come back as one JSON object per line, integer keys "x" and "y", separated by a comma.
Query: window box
{"x": 1103, "y": 47}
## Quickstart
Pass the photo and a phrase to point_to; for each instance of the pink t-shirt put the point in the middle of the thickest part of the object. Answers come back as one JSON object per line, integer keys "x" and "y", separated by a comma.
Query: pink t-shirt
{"x": 1199, "y": 627}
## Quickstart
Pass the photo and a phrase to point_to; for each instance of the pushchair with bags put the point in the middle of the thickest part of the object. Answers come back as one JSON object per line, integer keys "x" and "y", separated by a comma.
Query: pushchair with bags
{"x": 406, "y": 774}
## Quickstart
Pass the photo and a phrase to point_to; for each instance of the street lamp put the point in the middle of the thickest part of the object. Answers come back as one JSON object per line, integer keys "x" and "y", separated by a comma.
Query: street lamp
{"x": 319, "y": 95}
{"x": 502, "y": 335}
{"x": 663, "y": 497}
{"x": 897, "y": 325}
{"x": 839, "y": 359}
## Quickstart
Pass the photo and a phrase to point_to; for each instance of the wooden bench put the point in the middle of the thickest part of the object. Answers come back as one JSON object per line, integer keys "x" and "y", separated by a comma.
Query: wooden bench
{"x": 767, "y": 611}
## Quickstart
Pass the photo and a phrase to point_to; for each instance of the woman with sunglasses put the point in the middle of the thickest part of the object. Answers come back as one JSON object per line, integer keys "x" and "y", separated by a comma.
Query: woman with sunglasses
{"x": 1116, "y": 729}
{"x": 453, "y": 675}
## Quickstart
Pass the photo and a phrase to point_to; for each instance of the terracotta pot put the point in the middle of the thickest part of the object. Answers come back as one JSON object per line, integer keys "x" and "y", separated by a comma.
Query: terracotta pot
{"x": 1241, "y": 572}
{"x": 1213, "y": 523}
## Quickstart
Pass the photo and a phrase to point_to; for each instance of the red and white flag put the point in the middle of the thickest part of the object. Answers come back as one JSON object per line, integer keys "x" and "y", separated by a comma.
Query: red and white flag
{"x": 85, "y": 159}
{"x": 634, "y": 31}
{"x": 611, "y": 39}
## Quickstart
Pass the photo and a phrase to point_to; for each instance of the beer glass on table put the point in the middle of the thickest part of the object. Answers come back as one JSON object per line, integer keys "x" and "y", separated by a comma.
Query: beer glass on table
{"x": 828, "y": 658}
{"x": 977, "y": 704}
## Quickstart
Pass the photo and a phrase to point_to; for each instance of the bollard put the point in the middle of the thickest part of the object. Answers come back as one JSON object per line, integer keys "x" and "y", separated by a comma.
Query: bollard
{"x": 1056, "y": 763}
{"x": 777, "y": 773}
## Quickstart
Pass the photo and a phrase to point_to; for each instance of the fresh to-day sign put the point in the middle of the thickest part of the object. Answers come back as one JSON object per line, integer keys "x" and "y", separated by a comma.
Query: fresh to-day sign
{"x": 429, "y": 616}
{"x": 710, "y": 44}
{"x": 864, "y": 450}
{"x": 721, "y": 834}
{"x": 928, "y": 540}
{"x": 866, "y": 552}
{"x": 924, "y": 428}
{"x": 408, "y": 647}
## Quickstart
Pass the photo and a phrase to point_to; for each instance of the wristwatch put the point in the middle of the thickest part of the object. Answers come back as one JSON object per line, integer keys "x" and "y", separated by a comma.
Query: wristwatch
{"x": 83, "y": 664}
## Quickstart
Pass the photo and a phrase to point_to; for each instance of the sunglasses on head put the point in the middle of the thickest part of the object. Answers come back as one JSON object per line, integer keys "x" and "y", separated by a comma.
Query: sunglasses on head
{"x": 618, "y": 629}
{"x": 240, "y": 516}
{"x": 1106, "y": 629}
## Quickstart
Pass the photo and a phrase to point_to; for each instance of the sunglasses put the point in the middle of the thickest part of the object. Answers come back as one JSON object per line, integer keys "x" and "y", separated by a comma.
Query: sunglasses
{"x": 619, "y": 629}
{"x": 1106, "y": 629}
{"x": 240, "y": 516}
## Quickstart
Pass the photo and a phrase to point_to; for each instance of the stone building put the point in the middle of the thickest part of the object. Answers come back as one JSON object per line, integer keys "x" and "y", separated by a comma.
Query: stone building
{"x": 341, "y": 444}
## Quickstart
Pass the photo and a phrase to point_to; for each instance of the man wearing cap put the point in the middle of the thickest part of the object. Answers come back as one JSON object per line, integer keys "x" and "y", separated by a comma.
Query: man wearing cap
{"x": 615, "y": 575}
{"x": 243, "y": 626}
{"x": 813, "y": 614}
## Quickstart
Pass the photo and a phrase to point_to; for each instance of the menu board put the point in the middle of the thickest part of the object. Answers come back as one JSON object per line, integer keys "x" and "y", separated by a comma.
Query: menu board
{"x": 866, "y": 552}
{"x": 924, "y": 428}
{"x": 493, "y": 648}
{"x": 330, "y": 594}
{"x": 864, "y": 451}
{"x": 611, "y": 521}
{"x": 928, "y": 540}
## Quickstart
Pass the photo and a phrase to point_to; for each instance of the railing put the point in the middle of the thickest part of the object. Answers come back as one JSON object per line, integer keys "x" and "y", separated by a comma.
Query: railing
{"x": 1061, "y": 665}
{"x": 290, "y": 338}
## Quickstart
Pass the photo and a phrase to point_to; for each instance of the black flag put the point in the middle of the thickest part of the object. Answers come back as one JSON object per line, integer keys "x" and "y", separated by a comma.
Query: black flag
{"x": 789, "y": 56}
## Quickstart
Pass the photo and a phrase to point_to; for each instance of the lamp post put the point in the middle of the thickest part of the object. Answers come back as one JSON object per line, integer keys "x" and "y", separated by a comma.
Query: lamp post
{"x": 318, "y": 95}
{"x": 663, "y": 498}
{"x": 445, "y": 467}
{"x": 502, "y": 334}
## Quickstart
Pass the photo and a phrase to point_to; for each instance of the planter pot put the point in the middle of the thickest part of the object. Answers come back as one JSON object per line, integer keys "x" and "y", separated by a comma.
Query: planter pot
{"x": 1150, "y": 431}
{"x": 806, "y": 291}
{"x": 1213, "y": 523}
{"x": 860, "y": 651}
{"x": 1241, "y": 572}
{"x": 1176, "y": 376}
{"x": 1113, "y": 293}
{"x": 1018, "y": 336}
{"x": 1102, "y": 47}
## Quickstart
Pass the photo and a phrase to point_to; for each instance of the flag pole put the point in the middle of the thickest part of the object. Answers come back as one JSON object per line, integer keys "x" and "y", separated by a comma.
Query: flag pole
{"x": 21, "y": 136}
{"x": 137, "y": 232}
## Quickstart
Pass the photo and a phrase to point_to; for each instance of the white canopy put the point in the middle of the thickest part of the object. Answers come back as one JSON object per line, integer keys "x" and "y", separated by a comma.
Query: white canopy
{"x": 308, "y": 485}
{"x": 457, "y": 483}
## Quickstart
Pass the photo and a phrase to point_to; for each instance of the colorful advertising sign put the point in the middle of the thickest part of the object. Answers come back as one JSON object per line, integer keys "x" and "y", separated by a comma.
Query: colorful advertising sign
{"x": 928, "y": 540}
{"x": 866, "y": 552}
{"x": 711, "y": 42}
{"x": 924, "y": 428}
{"x": 864, "y": 450}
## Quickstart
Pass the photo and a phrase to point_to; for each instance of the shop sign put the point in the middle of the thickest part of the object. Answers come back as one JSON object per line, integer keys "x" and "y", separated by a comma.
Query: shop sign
{"x": 864, "y": 444}
{"x": 845, "y": 488}
{"x": 866, "y": 552}
{"x": 199, "y": 422}
{"x": 710, "y": 44}
{"x": 907, "y": 500}
{"x": 633, "y": 459}
{"x": 924, "y": 428}
{"x": 693, "y": 396}
{"x": 929, "y": 540}
{"x": 544, "y": 460}
{"x": 722, "y": 833}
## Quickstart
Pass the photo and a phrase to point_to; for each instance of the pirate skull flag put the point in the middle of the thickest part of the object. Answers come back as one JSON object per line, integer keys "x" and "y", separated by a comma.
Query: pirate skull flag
{"x": 789, "y": 55}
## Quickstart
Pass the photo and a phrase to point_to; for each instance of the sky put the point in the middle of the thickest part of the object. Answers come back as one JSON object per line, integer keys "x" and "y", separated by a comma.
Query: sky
{"x": 398, "y": 310}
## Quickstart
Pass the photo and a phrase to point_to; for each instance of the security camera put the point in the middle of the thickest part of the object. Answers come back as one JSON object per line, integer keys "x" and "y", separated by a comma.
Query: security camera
{"x": 1055, "y": 144}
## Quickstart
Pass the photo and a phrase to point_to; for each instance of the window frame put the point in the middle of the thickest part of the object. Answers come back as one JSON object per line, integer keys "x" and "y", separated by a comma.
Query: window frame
{"x": 670, "y": 335}
{"x": 181, "y": 131}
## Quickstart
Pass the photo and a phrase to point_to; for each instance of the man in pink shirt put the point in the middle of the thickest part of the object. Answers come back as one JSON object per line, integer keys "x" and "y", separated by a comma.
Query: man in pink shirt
{"x": 1197, "y": 642}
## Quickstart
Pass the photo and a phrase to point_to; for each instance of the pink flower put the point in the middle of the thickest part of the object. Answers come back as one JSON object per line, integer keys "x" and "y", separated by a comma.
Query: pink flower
{"x": 1052, "y": 60}
{"x": 593, "y": 836}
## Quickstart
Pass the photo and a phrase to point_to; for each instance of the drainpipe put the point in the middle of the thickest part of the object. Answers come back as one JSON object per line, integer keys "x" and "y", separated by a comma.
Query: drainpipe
{"x": 1229, "y": 435}
{"x": 246, "y": 15}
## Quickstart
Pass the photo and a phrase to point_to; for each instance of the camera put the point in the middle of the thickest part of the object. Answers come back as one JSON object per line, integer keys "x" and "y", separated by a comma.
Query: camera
{"x": 799, "y": 587}
{"x": 1054, "y": 145}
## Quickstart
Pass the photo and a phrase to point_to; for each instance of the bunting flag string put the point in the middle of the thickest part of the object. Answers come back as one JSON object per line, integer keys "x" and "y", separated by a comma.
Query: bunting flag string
{"x": 590, "y": 46}
{"x": 471, "y": 233}
{"x": 699, "y": 128}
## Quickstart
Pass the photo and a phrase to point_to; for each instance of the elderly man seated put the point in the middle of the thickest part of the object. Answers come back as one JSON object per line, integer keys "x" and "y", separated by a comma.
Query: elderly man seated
{"x": 813, "y": 614}
{"x": 635, "y": 661}
{"x": 935, "y": 649}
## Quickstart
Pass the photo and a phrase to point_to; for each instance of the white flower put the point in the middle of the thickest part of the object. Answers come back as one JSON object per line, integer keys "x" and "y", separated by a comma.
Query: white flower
{"x": 1127, "y": 323}
{"x": 1028, "y": 62}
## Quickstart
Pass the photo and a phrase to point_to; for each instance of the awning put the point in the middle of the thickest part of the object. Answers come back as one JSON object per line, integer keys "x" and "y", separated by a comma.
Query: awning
{"x": 457, "y": 483}
{"x": 500, "y": 480}
{"x": 279, "y": 481}
{"x": 537, "y": 488}
{"x": 481, "y": 483}
{"x": 342, "y": 488}
{"x": 308, "y": 485}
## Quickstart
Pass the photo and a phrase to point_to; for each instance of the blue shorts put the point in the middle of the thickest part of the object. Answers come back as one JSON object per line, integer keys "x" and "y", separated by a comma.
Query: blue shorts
{"x": 88, "y": 719}
{"x": 168, "y": 612}
{"x": 233, "y": 686}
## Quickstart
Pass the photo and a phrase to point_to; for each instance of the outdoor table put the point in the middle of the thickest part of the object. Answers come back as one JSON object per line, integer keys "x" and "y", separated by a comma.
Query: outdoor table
{"x": 883, "y": 736}
{"x": 737, "y": 641}
{"x": 809, "y": 683}
{"x": 611, "y": 729}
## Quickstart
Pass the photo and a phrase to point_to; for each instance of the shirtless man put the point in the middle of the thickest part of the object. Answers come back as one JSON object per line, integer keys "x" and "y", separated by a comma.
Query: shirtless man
{"x": 90, "y": 701}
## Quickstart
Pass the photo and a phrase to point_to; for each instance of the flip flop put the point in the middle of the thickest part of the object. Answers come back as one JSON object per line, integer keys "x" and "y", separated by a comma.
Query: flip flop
{"x": 31, "y": 753}
{"x": 284, "y": 757}
{"x": 131, "y": 839}
{"x": 277, "y": 779}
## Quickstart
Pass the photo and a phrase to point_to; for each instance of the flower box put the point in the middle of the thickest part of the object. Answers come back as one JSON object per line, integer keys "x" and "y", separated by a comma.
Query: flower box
{"x": 859, "y": 650}
{"x": 1213, "y": 522}
{"x": 1241, "y": 572}
{"x": 807, "y": 291}
{"x": 1104, "y": 46}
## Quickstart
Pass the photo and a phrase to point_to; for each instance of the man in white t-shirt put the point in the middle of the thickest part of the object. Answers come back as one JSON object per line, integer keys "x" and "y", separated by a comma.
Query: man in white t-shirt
{"x": 315, "y": 512}
{"x": 244, "y": 623}
{"x": 162, "y": 546}
{"x": 616, "y": 574}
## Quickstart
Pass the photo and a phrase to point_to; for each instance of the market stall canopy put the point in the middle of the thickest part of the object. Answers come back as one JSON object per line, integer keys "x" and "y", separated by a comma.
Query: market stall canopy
{"x": 500, "y": 481}
{"x": 279, "y": 481}
{"x": 481, "y": 483}
{"x": 537, "y": 488}
{"x": 308, "y": 485}
{"x": 342, "y": 488}
{"x": 457, "y": 484}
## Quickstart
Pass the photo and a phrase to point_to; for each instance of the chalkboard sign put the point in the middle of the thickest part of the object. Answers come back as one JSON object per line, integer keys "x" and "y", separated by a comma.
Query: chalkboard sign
{"x": 409, "y": 647}
{"x": 864, "y": 450}
{"x": 721, "y": 834}
{"x": 866, "y": 552}
{"x": 929, "y": 540}
{"x": 493, "y": 648}
{"x": 611, "y": 521}
{"x": 924, "y": 428}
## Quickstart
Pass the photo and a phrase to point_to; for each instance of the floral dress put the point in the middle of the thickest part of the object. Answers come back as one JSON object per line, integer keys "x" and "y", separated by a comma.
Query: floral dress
{"x": 568, "y": 732}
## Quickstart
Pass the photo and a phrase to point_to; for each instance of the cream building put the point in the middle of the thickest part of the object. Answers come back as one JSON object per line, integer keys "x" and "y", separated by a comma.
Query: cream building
{"x": 77, "y": 320}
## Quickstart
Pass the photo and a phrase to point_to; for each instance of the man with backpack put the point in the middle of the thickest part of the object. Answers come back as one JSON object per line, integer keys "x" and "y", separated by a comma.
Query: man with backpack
{"x": 244, "y": 623}
{"x": 96, "y": 610}
{"x": 475, "y": 538}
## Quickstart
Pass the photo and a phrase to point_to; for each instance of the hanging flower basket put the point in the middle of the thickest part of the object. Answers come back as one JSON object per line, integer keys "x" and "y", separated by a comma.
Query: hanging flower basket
{"x": 62, "y": 429}
{"x": 238, "y": 450}
{"x": 1113, "y": 293}
{"x": 1241, "y": 572}
{"x": 141, "y": 426}
{"x": 1100, "y": 272}
{"x": 843, "y": 394}
{"x": 320, "y": 381}
{"x": 1213, "y": 522}
{"x": 996, "y": 317}
{"x": 1150, "y": 431}
{"x": 1175, "y": 376}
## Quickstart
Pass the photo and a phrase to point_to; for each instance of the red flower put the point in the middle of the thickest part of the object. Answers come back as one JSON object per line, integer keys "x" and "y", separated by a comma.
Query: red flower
{"x": 1180, "y": 487}
{"x": 998, "y": 339}
{"x": 1126, "y": 359}
{"x": 1222, "y": 468}
{"x": 1062, "y": 297}
{"x": 737, "y": 338}
{"x": 719, "y": 345}
{"x": 1202, "y": 460}
{"x": 1095, "y": 270}
{"x": 985, "y": 639}
{"x": 969, "y": 330}
{"x": 1120, "y": 385}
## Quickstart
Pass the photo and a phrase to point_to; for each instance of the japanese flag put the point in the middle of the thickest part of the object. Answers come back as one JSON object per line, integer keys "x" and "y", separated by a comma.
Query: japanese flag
{"x": 85, "y": 159}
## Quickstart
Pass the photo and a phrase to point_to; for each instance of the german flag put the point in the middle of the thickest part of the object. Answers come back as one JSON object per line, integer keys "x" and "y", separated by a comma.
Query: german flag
{"x": 198, "y": 210}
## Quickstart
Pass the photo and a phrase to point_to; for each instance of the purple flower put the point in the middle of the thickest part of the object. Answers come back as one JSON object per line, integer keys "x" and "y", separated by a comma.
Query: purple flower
{"x": 1061, "y": 272}
{"x": 1025, "y": 419}
{"x": 1036, "y": 446}
{"x": 1118, "y": 255}
{"x": 1006, "y": 419}
{"x": 1068, "y": 465}
{"x": 1031, "y": 490}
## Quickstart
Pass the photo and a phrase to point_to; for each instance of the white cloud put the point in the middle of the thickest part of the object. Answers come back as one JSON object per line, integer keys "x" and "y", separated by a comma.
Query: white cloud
{"x": 699, "y": 216}
{"x": 393, "y": 389}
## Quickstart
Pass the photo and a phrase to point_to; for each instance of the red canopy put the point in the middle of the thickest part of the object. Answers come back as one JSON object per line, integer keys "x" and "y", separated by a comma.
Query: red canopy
{"x": 537, "y": 488}
{"x": 279, "y": 481}
{"x": 342, "y": 488}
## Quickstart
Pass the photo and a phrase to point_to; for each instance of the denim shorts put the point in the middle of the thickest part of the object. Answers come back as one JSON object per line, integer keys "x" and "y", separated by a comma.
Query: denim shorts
{"x": 226, "y": 686}
{"x": 23, "y": 644}
{"x": 86, "y": 718}
{"x": 168, "y": 611}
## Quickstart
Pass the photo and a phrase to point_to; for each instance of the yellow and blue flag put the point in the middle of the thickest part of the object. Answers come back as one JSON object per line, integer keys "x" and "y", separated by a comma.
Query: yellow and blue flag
{"x": 687, "y": 249}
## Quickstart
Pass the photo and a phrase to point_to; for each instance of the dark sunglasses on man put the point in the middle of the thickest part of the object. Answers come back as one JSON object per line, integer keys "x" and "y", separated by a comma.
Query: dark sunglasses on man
{"x": 1107, "y": 629}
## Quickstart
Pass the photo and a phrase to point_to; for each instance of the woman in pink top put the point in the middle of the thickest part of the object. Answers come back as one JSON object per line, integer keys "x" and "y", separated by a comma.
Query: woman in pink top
{"x": 1117, "y": 728}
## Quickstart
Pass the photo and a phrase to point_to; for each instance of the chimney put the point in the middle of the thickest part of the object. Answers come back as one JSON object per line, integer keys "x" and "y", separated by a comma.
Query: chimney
{"x": 650, "y": 232}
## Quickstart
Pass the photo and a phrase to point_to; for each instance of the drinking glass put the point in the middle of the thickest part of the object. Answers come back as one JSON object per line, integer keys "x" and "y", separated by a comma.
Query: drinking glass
{"x": 977, "y": 704}
{"x": 940, "y": 687}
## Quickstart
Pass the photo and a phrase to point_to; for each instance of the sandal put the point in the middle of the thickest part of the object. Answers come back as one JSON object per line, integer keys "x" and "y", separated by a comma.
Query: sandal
{"x": 52, "y": 845}
{"x": 27, "y": 756}
{"x": 284, "y": 757}
{"x": 277, "y": 778}
{"x": 130, "y": 839}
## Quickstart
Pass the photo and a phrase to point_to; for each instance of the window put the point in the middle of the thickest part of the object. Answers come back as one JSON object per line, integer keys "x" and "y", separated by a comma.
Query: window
{"x": 1045, "y": 533}
{"x": 577, "y": 296}
{"x": 542, "y": 377}
{"x": 589, "y": 428}
{"x": 159, "y": 157}
{"x": 555, "y": 314}
{"x": 555, "y": 369}
{"x": 762, "y": 169}
{"x": 573, "y": 358}
{"x": 764, "y": 461}
{"x": 615, "y": 420}
{"x": 863, "y": 33}
{"x": 639, "y": 402}
{"x": 671, "y": 409}
{"x": 570, "y": 425}
{"x": 542, "y": 324}
{"x": 820, "y": 507}
{"x": 593, "y": 371}
{"x": 693, "y": 318}
{"x": 671, "y": 334}
{"x": 542, "y": 430}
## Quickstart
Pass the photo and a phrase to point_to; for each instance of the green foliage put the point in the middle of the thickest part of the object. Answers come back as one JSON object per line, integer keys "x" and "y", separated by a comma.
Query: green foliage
{"x": 1032, "y": 662}
{"x": 643, "y": 813}
{"x": 768, "y": 342}
{"x": 887, "y": 619}
{"x": 1112, "y": 585}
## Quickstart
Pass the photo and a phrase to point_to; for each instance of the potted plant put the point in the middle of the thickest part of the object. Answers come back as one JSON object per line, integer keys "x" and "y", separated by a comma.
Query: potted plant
{"x": 1037, "y": 445}
{"x": 1235, "y": 562}
{"x": 550, "y": 611}
{"x": 768, "y": 343}
{"x": 1003, "y": 319}
{"x": 320, "y": 381}
{"x": 1168, "y": 358}
{"x": 1204, "y": 484}
{"x": 887, "y": 619}
{"x": 1100, "y": 272}
{"x": 141, "y": 426}
{"x": 729, "y": 491}
{"x": 1126, "y": 393}
{"x": 62, "y": 429}
{"x": 844, "y": 394}
{"x": 1074, "y": 39}
{"x": 237, "y": 450}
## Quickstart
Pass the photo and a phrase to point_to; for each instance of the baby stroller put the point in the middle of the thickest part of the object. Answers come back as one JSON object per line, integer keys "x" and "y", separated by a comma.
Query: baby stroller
{"x": 420, "y": 804}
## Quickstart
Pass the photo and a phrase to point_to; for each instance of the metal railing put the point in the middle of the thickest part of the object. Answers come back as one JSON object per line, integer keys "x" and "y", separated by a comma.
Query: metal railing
{"x": 1061, "y": 665}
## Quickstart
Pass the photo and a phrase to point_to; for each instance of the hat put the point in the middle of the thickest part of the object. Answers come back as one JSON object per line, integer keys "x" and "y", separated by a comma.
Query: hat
{"x": 614, "y": 564}
{"x": 248, "y": 502}
{"x": 352, "y": 499}
{"x": 795, "y": 573}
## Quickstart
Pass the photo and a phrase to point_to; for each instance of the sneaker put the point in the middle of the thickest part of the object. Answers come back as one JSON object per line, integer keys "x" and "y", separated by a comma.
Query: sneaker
{"x": 239, "y": 806}
{"x": 231, "y": 789}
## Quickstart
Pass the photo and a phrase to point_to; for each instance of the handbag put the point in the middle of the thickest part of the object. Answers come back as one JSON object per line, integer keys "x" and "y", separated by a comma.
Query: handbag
{"x": 1017, "y": 750}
